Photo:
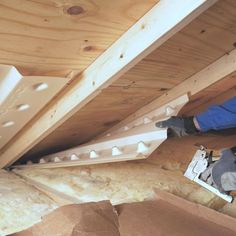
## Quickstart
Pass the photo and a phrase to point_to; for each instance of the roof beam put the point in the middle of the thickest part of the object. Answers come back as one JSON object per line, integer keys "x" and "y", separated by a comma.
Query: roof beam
{"x": 165, "y": 19}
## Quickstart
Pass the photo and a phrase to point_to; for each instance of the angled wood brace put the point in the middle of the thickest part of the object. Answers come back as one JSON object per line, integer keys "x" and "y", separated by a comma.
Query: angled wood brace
{"x": 136, "y": 140}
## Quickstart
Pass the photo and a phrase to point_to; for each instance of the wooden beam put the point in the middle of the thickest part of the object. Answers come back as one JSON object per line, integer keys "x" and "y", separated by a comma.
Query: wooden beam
{"x": 210, "y": 75}
{"x": 165, "y": 19}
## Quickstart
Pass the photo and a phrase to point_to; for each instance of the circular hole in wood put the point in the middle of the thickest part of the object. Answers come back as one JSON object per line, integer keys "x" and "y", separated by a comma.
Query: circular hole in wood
{"x": 40, "y": 87}
{"x": 23, "y": 107}
{"x": 75, "y": 10}
{"x": 8, "y": 123}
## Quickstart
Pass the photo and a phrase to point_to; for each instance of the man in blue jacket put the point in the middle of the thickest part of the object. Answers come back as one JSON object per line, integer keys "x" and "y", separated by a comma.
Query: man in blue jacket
{"x": 223, "y": 173}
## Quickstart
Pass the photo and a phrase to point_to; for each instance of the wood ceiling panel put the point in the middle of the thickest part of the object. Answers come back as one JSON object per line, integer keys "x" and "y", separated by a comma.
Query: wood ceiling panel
{"x": 199, "y": 44}
{"x": 55, "y": 37}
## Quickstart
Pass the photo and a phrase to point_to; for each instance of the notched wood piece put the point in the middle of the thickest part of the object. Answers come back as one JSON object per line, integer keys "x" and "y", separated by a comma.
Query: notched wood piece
{"x": 21, "y": 98}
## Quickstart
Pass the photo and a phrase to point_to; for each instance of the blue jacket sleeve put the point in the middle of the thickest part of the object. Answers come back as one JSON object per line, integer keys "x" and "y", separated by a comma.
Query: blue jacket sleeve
{"x": 218, "y": 117}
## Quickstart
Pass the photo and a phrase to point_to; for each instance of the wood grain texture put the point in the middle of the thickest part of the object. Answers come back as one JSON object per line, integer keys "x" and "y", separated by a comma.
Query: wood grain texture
{"x": 54, "y": 37}
{"x": 215, "y": 94}
{"x": 199, "y": 44}
{"x": 153, "y": 29}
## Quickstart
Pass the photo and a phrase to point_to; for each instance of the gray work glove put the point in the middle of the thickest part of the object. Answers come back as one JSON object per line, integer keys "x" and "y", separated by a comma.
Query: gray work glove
{"x": 180, "y": 126}
{"x": 222, "y": 173}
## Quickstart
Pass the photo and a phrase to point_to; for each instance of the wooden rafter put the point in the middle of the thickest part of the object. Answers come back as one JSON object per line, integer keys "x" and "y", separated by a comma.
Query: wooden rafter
{"x": 152, "y": 30}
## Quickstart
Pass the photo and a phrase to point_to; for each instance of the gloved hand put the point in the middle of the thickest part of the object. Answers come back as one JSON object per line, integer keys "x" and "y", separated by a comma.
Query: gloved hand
{"x": 181, "y": 126}
{"x": 222, "y": 173}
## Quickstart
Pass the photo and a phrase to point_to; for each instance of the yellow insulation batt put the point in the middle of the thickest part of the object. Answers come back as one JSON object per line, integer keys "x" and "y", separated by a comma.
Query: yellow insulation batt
{"x": 21, "y": 205}
{"x": 117, "y": 182}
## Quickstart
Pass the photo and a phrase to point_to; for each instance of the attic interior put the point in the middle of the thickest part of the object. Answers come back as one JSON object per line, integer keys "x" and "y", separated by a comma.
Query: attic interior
{"x": 108, "y": 64}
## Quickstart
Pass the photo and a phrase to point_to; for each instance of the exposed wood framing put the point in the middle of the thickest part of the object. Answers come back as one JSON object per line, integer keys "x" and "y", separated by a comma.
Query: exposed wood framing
{"x": 137, "y": 140}
{"x": 213, "y": 73}
{"x": 203, "y": 41}
{"x": 142, "y": 38}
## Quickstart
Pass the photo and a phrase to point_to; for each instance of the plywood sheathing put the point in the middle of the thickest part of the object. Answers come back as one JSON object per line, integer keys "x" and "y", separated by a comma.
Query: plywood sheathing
{"x": 22, "y": 205}
{"x": 54, "y": 37}
{"x": 202, "y": 42}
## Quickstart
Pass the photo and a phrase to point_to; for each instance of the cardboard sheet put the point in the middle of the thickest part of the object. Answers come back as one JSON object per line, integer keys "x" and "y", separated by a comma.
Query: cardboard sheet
{"x": 172, "y": 216}
{"x": 90, "y": 219}
{"x": 167, "y": 215}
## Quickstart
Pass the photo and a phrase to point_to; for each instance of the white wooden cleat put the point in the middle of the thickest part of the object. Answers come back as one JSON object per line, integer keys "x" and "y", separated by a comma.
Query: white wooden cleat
{"x": 93, "y": 154}
{"x": 146, "y": 120}
{"x": 142, "y": 147}
{"x": 169, "y": 111}
{"x": 116, "y": 151}
{"x": 57, "y": 159}
{"x": 42, "y": 161}
{"x": 74, "y": 157}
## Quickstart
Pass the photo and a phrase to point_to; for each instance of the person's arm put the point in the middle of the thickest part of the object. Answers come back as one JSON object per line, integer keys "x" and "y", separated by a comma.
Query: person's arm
{"x": 218, "y": 117}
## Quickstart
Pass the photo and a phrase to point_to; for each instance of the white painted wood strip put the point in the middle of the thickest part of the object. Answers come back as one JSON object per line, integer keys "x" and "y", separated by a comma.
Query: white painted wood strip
{"x": 153, "y": 116}
{"x": 21, "y": 98}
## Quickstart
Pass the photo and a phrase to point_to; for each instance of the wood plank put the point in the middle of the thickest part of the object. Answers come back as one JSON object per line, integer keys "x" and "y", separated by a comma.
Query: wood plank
{"x": 152, "y": 30}
{"x": 21, "y": 99}
{"x": 206, "y": 39}
{"x": 56, "y": 38}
